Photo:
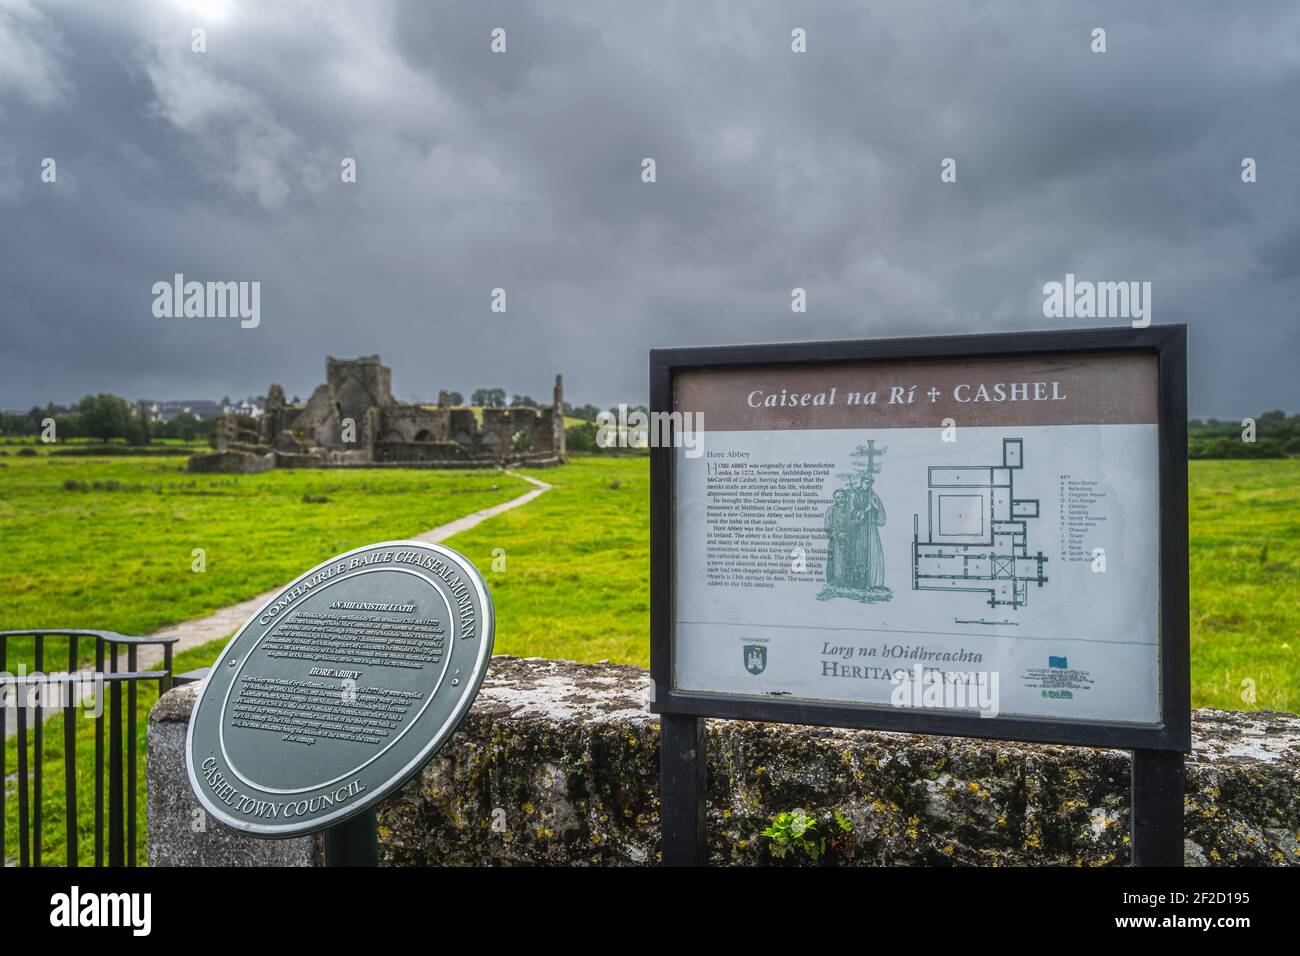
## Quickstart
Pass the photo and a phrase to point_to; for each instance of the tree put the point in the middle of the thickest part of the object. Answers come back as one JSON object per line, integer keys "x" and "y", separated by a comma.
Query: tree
{"x": 184, "y": 426}
{"x": 489, "y": 397}
{"x": 455, "y": 398}
{"x": 613, "y": 410}
{"x": 581, "y": 438}
{"x": 517, "y": 400}
{"x": 105, "y": 416}
{"x": 136, "y": 430}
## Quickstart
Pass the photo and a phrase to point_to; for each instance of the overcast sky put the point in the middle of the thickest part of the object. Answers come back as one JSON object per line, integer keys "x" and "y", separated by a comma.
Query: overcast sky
{"x": 523, "y": 171}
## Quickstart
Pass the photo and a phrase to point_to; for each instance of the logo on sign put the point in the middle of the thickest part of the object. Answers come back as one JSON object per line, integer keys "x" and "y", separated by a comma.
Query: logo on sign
{"x": 755, "y": 658}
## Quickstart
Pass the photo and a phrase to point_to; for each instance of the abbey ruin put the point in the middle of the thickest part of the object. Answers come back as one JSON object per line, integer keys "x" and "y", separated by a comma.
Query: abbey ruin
{"x": 352, "y": 419}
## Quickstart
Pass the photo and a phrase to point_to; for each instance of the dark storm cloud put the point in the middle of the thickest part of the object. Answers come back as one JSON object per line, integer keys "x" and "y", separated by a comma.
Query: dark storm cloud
{"x": 522, "y": 171}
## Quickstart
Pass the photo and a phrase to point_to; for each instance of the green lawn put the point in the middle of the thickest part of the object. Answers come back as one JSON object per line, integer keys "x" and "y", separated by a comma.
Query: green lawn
{"x": 109, "y": 543}
{"x": 1245, "y": 575}
{"x": 576, "y": 579}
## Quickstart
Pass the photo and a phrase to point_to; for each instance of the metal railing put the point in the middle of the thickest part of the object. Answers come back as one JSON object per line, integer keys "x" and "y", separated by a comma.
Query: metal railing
{"x": 28, "y": 695}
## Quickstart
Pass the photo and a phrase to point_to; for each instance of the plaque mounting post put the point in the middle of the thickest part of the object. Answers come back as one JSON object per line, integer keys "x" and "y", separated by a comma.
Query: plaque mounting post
{"x": 1156, "y": 808}
{"x": 353, "y": 842}
{"x": 683, "y": 790}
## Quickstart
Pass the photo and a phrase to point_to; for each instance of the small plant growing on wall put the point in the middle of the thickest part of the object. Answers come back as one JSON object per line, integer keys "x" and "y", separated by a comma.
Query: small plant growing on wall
{"x": 795, "y": 833}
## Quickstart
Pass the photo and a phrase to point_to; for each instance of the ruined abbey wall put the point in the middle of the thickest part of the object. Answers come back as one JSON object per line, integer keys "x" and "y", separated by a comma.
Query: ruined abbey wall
{"x": 352, "y": 419}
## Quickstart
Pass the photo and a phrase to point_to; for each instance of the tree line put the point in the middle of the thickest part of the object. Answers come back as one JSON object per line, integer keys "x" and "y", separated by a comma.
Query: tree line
{"x": 106, "y": 418}
{"x": 111, "y": 418}
{"x": 1276, "y": 435}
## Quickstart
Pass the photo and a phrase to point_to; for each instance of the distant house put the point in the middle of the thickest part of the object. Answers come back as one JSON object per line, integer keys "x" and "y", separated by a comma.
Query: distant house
{"x": 248, "y": 407}
{"x": 166, "y": 411}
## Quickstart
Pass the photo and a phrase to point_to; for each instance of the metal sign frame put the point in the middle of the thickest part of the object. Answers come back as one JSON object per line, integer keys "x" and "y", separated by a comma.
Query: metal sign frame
{"x": 1157, "y": 747}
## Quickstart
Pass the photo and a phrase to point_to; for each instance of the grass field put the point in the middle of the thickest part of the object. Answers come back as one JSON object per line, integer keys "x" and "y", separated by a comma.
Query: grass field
{"x": 576, "y": 579}
{"x": 1245, "y": 584}
{"x": 115, "y": 552}
{"x": 110, "y": 543}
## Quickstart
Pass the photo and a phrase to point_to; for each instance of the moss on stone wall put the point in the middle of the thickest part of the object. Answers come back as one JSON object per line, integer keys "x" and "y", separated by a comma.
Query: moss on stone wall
{"x": 558, "y": 763}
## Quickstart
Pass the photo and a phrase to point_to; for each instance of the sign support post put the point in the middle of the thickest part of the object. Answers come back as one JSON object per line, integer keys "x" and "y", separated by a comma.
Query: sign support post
{"x": 1156, "y": 808}
{"x": 683, "y": 790}
{"x": 353, "y": 842}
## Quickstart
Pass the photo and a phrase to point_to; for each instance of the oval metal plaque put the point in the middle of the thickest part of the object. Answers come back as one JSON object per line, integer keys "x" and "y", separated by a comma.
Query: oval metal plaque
{"x": 340, "y": 688}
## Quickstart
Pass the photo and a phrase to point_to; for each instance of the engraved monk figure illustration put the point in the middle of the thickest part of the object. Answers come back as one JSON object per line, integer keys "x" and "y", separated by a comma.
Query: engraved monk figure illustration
{"x": 838, "y": 547}
{"x": 868, "y": 519}
{"x": 855, "y": 555}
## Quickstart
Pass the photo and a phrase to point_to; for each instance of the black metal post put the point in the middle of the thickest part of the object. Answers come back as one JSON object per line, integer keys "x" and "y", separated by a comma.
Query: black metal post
{"x": 70, "y": 753}
{"x": 1156, "y": 813}
{"x": 133, "y": 766}
{"x": 38, "y": 754}
{"x": 116, "y": 838}
{"x": 354, "y": 842}
{"x": 683, "y": 790}
{"x": 102, "y": 706}
{"x": 4, "y": 711}
{"x": 24, "y": 823}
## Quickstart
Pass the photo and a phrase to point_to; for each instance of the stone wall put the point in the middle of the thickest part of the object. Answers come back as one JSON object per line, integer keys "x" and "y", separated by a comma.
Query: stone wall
{"x": 423, "y": 451}
{"x": 384, "y": 431}
{"x": 231, "y": 461}
{"x": 411, "y": 423}
{"x": 557, "y": 763}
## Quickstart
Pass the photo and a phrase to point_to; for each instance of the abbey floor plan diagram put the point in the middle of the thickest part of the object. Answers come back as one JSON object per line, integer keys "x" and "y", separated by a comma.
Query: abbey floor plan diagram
{"x": 976, "y": 536}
